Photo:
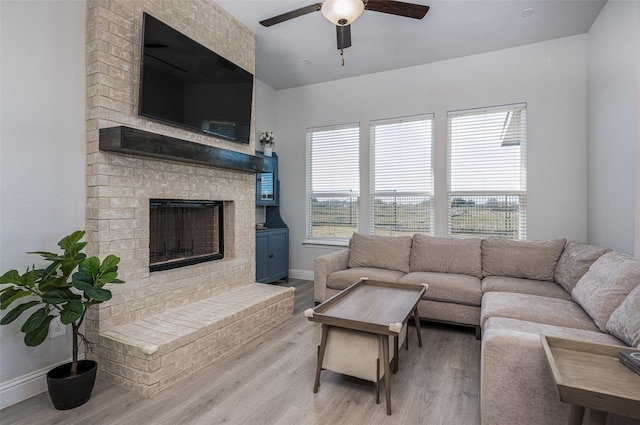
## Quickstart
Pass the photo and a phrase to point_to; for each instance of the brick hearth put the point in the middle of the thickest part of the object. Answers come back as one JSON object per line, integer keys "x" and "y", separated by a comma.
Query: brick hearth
{"x": 151, "y": 354}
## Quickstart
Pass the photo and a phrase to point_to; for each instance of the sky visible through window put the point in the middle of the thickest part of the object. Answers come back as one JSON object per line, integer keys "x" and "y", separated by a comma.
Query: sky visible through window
{"x": 403, "y": 156}
{"x": 485, "y": 154}
{"x": 333, "y": 173}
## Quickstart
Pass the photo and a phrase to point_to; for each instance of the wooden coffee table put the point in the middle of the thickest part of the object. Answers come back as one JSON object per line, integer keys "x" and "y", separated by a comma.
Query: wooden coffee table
{"x": 376, "y": 307}
{"x": 590, "y": 376}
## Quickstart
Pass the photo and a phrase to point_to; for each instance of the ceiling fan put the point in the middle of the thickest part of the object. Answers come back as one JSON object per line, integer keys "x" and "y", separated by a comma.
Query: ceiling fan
{"x": 343, "y": 12}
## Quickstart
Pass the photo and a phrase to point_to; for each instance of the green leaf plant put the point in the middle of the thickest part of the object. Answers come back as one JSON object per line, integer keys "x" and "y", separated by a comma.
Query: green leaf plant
{"x": 67, "y": 287}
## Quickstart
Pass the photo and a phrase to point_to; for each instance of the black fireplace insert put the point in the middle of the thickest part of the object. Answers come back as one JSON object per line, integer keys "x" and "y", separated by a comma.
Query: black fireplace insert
{"x": 184, "y": 232}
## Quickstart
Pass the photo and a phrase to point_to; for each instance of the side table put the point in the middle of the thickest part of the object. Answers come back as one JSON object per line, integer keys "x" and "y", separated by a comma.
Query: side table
{"x": 590, "y": 376}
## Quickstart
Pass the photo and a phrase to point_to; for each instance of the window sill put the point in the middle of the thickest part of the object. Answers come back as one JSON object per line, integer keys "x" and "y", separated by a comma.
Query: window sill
{"x": 343, "y": 243}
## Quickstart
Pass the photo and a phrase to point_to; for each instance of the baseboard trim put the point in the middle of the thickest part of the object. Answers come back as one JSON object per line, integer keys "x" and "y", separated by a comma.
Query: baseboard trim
{"x": 26, "y": 386}
{"x": 301, "y": 274}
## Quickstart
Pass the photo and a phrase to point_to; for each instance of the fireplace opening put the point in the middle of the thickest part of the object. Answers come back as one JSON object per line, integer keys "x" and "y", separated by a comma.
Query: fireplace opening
{"x": 183, "y": 232}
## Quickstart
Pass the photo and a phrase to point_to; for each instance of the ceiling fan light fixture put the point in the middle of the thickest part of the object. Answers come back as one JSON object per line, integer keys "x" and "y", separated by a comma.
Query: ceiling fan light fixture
{"x": 342, "y": 12}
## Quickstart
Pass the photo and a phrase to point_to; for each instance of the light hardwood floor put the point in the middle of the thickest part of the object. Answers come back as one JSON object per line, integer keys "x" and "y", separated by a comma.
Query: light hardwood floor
{"x": 270, "y": 381}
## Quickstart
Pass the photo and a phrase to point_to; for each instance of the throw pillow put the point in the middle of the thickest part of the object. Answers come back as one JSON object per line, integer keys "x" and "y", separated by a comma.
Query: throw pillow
{"x": 446, "y": 255}
{"x": 575, "y": 262}
{"x": 624, "y": 323}
{"x": 535, "y": 260}
{"x": 607, "y": 283}
{"x": 384, "y": 252}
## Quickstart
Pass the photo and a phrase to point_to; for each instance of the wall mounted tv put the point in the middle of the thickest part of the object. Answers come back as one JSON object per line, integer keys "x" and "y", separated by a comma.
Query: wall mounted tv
{"x": 185, "y": 84}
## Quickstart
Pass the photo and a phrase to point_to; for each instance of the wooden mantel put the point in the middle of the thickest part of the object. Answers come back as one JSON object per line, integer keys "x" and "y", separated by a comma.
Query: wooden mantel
{"x": 131, "y": 141}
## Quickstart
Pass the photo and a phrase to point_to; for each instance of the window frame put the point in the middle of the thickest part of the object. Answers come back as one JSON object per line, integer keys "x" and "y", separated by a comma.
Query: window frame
{"x": 427, "y": 194}
{"x": 469, "y": 195}
{"x": 310, "y": 194}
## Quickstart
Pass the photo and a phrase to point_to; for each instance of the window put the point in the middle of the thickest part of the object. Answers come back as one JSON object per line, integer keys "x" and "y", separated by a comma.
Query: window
{"x": 333, "y": 181}
{"x": 402, "y": 176}
{"x": 487, "y": 172}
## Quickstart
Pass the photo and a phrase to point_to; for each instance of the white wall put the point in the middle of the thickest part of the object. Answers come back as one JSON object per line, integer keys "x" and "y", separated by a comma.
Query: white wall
{"x": 266, "y": 109}
{"x": 42, "y": 157}
{"x": 613, "y": 84}
{"x": 637, "y": 209}
{"x": 265, "y": 121}
{"x": 549, "y": 76}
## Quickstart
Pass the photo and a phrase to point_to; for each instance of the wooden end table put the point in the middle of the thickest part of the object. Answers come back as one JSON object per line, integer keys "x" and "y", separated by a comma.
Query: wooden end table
{"x": 590, "y": 376}
{"x": 376, "y": 307}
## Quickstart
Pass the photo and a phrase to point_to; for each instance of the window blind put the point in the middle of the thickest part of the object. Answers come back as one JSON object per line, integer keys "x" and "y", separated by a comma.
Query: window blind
{"x": 333, "y": 181}
{"x": 487, "y": 172}
{"x": 402, "y": 175}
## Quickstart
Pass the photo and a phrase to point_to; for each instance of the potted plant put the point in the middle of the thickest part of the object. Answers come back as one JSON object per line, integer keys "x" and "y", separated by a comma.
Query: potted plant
{"x": 267, "y": 141}
{"x": 66, "y": 287}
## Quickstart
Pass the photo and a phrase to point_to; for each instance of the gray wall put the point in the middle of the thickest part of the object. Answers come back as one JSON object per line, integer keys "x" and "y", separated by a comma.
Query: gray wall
{"x": 613, "y": 116}
{"x": 550, "y": 77}
{"x": 43, "y": 161}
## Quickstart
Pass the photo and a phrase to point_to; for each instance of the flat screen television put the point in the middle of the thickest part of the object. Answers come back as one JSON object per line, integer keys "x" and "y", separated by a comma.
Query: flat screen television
{"x": 185, "y": 84}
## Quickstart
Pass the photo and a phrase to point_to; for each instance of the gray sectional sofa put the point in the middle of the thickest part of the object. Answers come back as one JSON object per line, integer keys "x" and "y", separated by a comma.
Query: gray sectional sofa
{"x": 511, "y": 292}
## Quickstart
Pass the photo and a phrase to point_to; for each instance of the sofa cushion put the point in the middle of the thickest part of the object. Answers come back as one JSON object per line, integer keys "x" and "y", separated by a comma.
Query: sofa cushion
{"x": 384, "y": 252}
{"x": 607, "y": 283}
{"x": 504, "y": 323}
{"x": 447, "y": 287}
{"x": 625, "y": 320}
{"x": 449, "y": 312}
{"x": 527, "y": 259}
{"x": 534, "y": 308}
{"x": 345, "y": 278}
{"x": 575, "y": 262}
{"x": 524, "y": 286}
{"x": 446, "y": 255}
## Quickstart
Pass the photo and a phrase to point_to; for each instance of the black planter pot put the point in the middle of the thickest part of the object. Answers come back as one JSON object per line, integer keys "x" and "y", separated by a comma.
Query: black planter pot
{"x": 67, "y": 392}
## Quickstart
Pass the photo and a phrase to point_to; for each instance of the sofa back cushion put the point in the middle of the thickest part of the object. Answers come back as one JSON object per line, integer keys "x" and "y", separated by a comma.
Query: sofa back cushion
{"x": 446, "y": 255}
{"x": 384, "y": 252}
{"x": 535, "y": 260}
{"x": 607, "y": 283}
{"x": 575, "y": 262}
{"x": 624, "y": 323}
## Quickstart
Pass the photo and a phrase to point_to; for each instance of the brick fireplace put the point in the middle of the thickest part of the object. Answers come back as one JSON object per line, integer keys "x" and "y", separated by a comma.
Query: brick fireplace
{"x": 120, "y": 188}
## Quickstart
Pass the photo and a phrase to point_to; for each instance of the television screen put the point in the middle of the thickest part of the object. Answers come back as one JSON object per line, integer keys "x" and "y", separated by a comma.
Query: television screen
{"x": 184, "y": 83}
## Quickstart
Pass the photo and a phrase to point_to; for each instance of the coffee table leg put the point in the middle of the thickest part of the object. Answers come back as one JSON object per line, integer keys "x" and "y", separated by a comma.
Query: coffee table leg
{"x": 387, "y": 371}
{"x": 323, "y": 345}
{"x": 416, "y": 319}
{"x": 395, "y": 354}
{"x": 406, "y": 338}
{"x": 576, "y": 414}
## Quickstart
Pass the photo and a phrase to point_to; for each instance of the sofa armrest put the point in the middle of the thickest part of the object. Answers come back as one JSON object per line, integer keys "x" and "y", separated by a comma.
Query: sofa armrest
{"x": 516, "y": 384}
{"x": 323, "y": 266}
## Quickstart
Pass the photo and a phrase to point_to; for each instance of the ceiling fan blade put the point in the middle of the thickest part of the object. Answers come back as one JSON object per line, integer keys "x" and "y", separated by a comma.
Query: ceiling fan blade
{"x": 344, "y": 36}
{"x": 408, "y": 10}
{"x": 292, "y": 14}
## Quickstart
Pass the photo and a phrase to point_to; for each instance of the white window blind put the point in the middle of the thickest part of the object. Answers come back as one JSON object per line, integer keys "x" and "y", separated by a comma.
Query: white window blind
{"x": 402, "y": 175}
{"x": 333, "y": 181}
{"x": 487, "y": 172}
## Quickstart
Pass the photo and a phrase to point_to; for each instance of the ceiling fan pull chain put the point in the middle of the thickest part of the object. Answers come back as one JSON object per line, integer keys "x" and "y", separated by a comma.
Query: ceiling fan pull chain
{"x": 342, "y": 57}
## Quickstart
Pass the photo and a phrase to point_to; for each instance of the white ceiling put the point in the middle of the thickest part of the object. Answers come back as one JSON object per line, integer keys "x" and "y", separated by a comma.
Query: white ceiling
{"x": 303, "y": 50}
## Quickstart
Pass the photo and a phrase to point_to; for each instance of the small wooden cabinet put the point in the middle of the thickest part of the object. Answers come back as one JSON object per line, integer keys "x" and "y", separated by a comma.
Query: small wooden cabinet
{"x": 272, "y": 242}
{"x": 272, "y": 255}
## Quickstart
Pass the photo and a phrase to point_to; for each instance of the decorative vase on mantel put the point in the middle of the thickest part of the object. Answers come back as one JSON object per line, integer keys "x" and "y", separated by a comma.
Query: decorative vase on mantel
{"x": 267, "y": 141}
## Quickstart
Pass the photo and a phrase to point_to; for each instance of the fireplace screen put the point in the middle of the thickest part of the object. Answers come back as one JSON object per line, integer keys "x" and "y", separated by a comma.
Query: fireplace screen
{"x": 182, "y": 233}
